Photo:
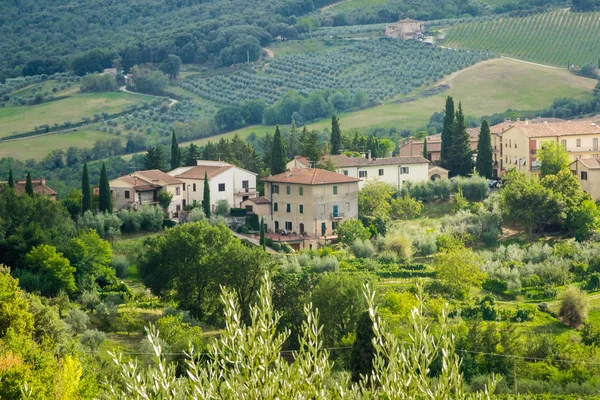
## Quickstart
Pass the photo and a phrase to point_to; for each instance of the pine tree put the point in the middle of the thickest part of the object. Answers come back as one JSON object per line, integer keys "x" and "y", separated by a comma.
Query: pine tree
{"x": 11, "y": 180}
{"x": 86, "y": 190}
{"x": 191, "y": 155}
{"x": 278, "y": 160}
{"x": 361, "y": 358}
{"x": 425, "y": 151}
{"x": 483, "y": 164}
{"x": 596, "y": 91}
{"x": 206, "y": 197}
{"x": 293, "y": 147}
{"x": 310, "y": 146}
{"x": 154, "y": 158}
{"x": 447, "y": 131}
{"x": 28, "y": 185}
{"x": 336, "y": 135}
{"x": 104, "y": 200}
{"x": 175, "y": 153}
{"x": 460, "y": 156}
{"x": 263, "y": 241}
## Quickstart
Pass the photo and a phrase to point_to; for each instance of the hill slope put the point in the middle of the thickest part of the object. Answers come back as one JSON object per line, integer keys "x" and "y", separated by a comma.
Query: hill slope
{"x": 553, "y": 38}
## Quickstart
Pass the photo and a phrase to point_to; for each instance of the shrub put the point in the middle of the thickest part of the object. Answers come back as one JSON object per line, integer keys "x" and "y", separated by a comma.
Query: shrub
{"x": 447, "y": 242}
{"x": 222, "y": 208}
{"x": 78, "y": 320}
{"x": 92, "y": 339}
{"x": 474, "y": 188}
{"x": 131, "y": 220}
{"x": 490, "y": 237}
{"x": 593, "y": 282}
{"x": 286, "y": 248}
{"x": 325, "y": 264}
{"x": 89, "y": 299}
{"x": 196, "y": 215}
{"x": 459, "y": 202}
{"x": 121, "y": 266}
{"x": 399, "y": 244}
{"x": 387, "y": 257}
{"x": 151, "y": 218}
{"x": 573, "y": 307}
{"x": 276, "y": 246}
{"x": 362, "y": 248}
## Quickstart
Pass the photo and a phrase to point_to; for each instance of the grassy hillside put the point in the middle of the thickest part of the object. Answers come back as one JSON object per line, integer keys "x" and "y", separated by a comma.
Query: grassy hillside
{"x": 486, "y": 88}
{"x": 554, "y": 38}
{"x": 73, "y": 108}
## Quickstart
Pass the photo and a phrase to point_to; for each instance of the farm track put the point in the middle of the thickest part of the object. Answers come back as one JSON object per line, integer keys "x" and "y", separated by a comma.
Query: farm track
{"x": 324, "y": 9}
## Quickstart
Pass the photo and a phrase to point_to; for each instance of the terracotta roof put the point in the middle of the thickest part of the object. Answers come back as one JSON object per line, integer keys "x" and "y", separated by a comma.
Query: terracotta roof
{"x": 556, "y": 129}
{"x": 591, "y": 163}
{"x": 138, "y": 183}
{"x": 258, "y": 200}
{"x": 197, "y": 172}
{"x": 39, "y": 187}
{"x": 310, "y": 176}
{"x": 157, "y": 175}
{"x": 432, "y": 166}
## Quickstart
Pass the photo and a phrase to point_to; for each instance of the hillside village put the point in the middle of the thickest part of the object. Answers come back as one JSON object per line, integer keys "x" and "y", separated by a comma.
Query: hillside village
{"x": 280, "y": 199}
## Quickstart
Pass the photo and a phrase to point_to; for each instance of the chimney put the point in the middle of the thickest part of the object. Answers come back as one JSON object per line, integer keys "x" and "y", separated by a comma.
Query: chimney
{"x": 369, "y": 155}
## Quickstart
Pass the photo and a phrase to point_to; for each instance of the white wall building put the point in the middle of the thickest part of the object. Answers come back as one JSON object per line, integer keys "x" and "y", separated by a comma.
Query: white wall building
{"x": 226, "y": 182}
{"x": 392, "y": 170}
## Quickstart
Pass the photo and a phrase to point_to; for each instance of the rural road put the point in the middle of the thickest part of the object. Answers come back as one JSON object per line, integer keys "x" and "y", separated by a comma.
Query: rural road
{"x": 124, "y": 89}
{"x": 332, "y": 5}
{"x": 270, "y": 53}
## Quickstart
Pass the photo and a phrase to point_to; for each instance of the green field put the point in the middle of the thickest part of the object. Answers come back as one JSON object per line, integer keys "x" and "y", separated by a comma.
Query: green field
{"x": 553, "y": 38}
{"x": 39, "y": 146}
{"x": 486, "y": 88}
{"x": 26, "y": 118}
{"x": 354, "y": 4}
{"x": 496, "y": 3}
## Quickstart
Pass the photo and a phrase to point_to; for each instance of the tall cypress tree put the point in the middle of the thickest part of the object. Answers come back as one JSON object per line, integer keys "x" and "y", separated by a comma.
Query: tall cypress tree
{"x": 483, "y": 164}
{"x": 263, "y": 242}
{"x": 11, "y": 180}
{"x": 447, "y": 131}
{"x": 425, "y": 151}
{"x": 361, "y": 358}
{"x": 460, "y": 157}
{"x": 336, "y": 135}
{"x": 104, "y": 199}
{"x": 175, "y": 152}
{"x": 29, "y": 185}
{"x": 278, "y": 160}
{"x": 206, "y": 196}
{"x": 86, "y": 190}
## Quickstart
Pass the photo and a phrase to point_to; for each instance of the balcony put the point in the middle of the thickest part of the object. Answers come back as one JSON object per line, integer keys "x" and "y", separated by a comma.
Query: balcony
{"x": 582, "y": 149}
{"x": 337, "y": 215}
{"x": 244, "y": 191}
{"x": 533, "y": 151}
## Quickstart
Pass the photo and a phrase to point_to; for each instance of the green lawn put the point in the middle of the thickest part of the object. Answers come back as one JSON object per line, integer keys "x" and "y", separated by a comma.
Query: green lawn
{"x": 291, "y": 47}
{"x": 486, "y": 88}
{"x": 47, "y": 87}
{"x": 26, "y": 118}
{"x": 350, "y": 5}
{"x": 38, "y": 147}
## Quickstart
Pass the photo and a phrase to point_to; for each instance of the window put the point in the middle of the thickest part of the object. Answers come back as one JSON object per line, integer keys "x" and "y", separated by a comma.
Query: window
{"x": 301, "y": 191}
{"x": 381, "y": 172}
{"x": 563, "y": 143}
{"x": 127, "y": 194}
{"x": 276, "y": 226}
{"x": 578, "y": 142}
{"x": 177, "y": 191}
{"x": 183, "y": 187}
{"x": 583, "y": 175}
{"x": 288, "y": 190}
{"x": 301, "y": 208}
{"x": 178, "y": 208}
{"x": 288, "y": 207}
{"x": 245, "y": 185}
{"x": 595, "y": 144}
{"x": 335, "y": 190}
{"x": 362, "y": 174}
{"x": 346, "y": 172}
{"x": 288, "y": 226}
{"x": 275, "y": 189}
{"x": 515, "y": 145}
{"x": 221, "y": 187}
{"x": 249, "y": 208}
{"x": 404, "y": 170}
{"x": 194, "y": 187}
{"x": 334, "y": 225}
{"x": 275, "y": 207}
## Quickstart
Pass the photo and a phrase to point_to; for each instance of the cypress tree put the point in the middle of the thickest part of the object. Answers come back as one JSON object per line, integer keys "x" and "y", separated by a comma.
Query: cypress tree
{"x": 361, "y": 358}
{"x": 86, "y": 190}
{"x": 278, "y": 154}
{"x": 483, "y": 164}
{"x": 425, "y": 151}
{"x": 263, "y": 242}
{"x": 11, "y": 180}
{"x": 460, "y": 156}
{"x": 175, "y": 153}
{"x": 29, "y": 185}
{"x": 206, "y": 197}
{"x": 447, "y": 131}
{"x": 336, "y": 135}
{"x": 104, "y": 200}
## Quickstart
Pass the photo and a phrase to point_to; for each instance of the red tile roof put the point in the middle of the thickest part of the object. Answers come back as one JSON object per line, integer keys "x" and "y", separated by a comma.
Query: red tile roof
{"x": 39, "y": 187}
{"x": 557, "y": 129}
{"x": 158, "y": 175}
{"x": 591, "y": 163}
{"x": 259, "y": 200}
{"x": 343, "y": 160}
{"x": 197, "y": 172}
{"x": 310, "y": 176}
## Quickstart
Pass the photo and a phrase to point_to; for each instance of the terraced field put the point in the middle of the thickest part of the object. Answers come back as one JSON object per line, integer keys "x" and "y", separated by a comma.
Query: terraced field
{"x": 555, "y": 38}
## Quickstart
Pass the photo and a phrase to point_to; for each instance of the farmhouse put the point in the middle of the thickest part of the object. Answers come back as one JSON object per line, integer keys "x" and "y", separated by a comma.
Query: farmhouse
{"x": 587, "y": 171}
{"x": 226, "y": 182}
{"x": 39, "y": 187}
{"x": 309, "y": 202}
{"x": 411, "y": 147}
{"x": 142, "y": 187}
{"x": 392, "y": 170}
{"x": 521, "y": 143}
{"x": 405, "y": 29}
